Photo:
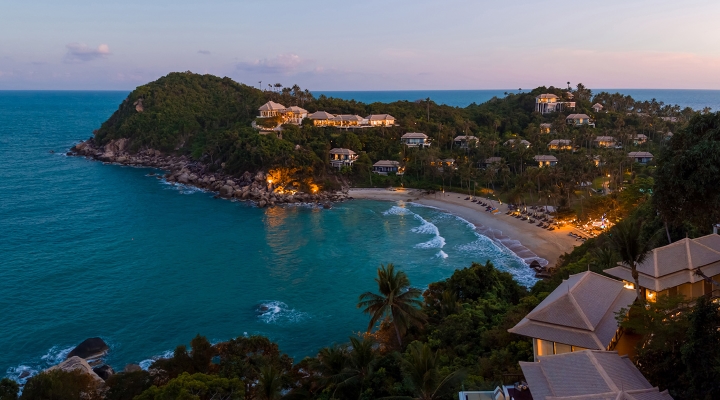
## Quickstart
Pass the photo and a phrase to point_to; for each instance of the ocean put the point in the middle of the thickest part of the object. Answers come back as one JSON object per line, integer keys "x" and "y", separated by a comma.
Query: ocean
{"x": 88, "y": 250}
{"x": 695, "y": 99}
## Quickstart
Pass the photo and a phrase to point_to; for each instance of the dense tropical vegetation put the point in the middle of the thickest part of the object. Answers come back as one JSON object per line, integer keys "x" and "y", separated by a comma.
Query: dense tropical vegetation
{"x": 427, "y": 345}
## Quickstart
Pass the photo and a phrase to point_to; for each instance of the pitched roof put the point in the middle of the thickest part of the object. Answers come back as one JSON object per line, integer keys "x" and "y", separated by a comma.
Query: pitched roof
{"x": 598, "y": 105}
{"x": 639, "y": 154}
{"x": 639, "y": 136}
{"x": 545, "y": 158}
{"x": 347, "y": 117}
{"x": 493, "y": 160}
{"x": 546, "y": 125}
{"x": 547, "y": 96}
{"x": 577, "y": 116}
{"x": 414, "y": 135}
{"x": 588, "y": 374}
{"x": 271, "y": 106}
{"x": 387, "y": 163}
{"x": 579, "y": 312}
{"x": 675, "y": 264}
{"x": 380, "y": 117}
{"x": 296, "y": 110}
{"x": 321, "y": 115}
{"x": 512, "y": 141}
{"x": 342, "y": 151}
{"x": 604, "y": 139}
{"x": 464, "y": 138}
{"x": 558, "y": 142}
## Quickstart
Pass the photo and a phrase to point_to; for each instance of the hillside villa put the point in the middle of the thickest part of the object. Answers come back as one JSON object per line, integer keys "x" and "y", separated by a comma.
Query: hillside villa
{"x": 515, "y": 142}
{"x": 545, "y": 128}
{"x": 289, "y": 115}
{"x": 604, "y": 141}
{"x": 384, "y": 167}
{"x": 639, "y": 139}
{"x": 415, "y": 139}
{"x": 546, "y": 161}
{"x": 560, "y": 144}
{"x": 679, "y": 268}
{"x": 579, "y": 120}
{"x": 642, "y": 157}
{"x": 323, "y": 118}
{"x": 547, "y": 103}
{"x": 578, "y": 315}
{"x": 340, "y": 157}
{"x": 465, "y": 142}
{"x": 597, "y": 107}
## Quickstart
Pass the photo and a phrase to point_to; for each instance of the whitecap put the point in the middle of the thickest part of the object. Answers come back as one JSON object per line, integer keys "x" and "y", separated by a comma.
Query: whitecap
{"x": 395, "y": 210}
{"x": 441, "y": 254}
{"x": 145, "y": 364}
{"x": 426, "y": 227}
{"x": 274, "y": 311}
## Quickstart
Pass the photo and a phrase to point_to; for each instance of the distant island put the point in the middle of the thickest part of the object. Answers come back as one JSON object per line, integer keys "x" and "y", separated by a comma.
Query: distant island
{"x": 638, "y": 180}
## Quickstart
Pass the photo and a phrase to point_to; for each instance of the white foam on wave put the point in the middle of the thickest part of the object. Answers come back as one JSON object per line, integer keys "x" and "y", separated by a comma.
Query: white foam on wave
{"x": 441, "y": 254}
{"x": 54, "y": 356}
{"x": 274, "y": 311}
{"x": 426, "y": 228}
{"x": 395, "y": 210}
{"x": 182, "y": 188}
{"x": 145, "y": 364}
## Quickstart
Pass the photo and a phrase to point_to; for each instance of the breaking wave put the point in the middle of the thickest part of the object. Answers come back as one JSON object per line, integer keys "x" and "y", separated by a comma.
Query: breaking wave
{"x": 274, "y": 311}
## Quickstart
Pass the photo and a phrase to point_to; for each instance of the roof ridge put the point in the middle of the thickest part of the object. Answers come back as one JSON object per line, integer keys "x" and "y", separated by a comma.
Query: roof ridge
{"x": 601, "y": 371}
{"x": 577, "y": 305}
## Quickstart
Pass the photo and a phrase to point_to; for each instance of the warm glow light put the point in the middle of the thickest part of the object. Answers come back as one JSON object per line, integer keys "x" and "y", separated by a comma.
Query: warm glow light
{"x": 629, "y": 285}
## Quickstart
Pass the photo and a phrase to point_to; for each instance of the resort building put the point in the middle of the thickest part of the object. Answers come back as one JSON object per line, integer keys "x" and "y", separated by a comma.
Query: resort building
{"x": 639, "y": 139}
{"x": 642, "y": 157}
{"x": 545, "y": 128}
{"x": 546, "y": 161}
{"x": 465, "y": 142}
{"x": 569, "y": 95}
{"x": 384, "y": 167}
{"x": 289, "y": 115}
{"x": 679, "y": 268}
{"x": 415, "y": 139}
{"x": 560, "y": 144}
{"x": 342, "y": 157}
{"x": 347, "y": 120}
{"x": 579, "y": 120}
{"x": 380, "y": 120}
{"x": 589, "y": 374}
{"x": 548, "y": 103}
{"x": 490, "y": 161}
{"x": 578, "y": 315}
{"x": 604, "y": 141}
{"x": 597, "y": 107}
{"x": 517, "y": 143}
{"x": 321, "y": 118}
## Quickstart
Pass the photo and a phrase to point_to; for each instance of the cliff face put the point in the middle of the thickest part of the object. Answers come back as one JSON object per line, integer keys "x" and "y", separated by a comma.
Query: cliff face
{"x": 171, "y": 113}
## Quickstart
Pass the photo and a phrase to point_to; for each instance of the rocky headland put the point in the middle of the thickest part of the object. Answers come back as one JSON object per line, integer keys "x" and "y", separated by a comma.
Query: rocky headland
{"x": 250, "y": 186}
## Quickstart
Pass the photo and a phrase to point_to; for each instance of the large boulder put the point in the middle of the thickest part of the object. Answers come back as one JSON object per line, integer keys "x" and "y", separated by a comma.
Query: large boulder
{"x": 105, "y": 371}
{"x": 76, "y": 363}
{"x": 183, "y": 178}
{"x": 90, "y": 349}
{"x": 226, "y": 191}
{"x": 132, "y": 368}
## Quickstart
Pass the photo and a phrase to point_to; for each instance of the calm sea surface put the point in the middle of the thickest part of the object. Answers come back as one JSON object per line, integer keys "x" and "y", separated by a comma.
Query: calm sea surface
{"x": 88, "y": 249}
{"x": 696, "y": 99}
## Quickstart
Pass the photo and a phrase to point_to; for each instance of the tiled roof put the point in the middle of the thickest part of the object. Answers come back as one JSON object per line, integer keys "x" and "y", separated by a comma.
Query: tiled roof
{"x": 321, "y": 115}
{"x": 386, "y": 163}
{"x": 675, "y": 264}
{"x": 493, "y": 160}
{"x": 558, "y": 142}
{"x": 347, "y": 117}
{"x": 414, "y": 135}
{"x": 589, "y": 374}
{"x": 464, "y": 138}
{"x": 597, "y": 105}
{"x": 578, "y": 116}
{"x": 579, "y": 312}
{"x": 296, "y": 110}
{"x": 547, "y": 96}
{"x": 604, "y": 139}
{"x": 636, "y": 154}
{"x": 271, "y": 106}
{"x": 546, "y": 125}
{"x": 513, "y": 141}
{"x": 342, "y": 151}
{"x": 545, "y": 158}
{"x": 380, "y": 117}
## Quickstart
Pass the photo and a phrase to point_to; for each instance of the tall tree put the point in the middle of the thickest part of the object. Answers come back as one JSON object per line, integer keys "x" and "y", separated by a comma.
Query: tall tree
{"x": 627, "y": 241}
{"x": 421, "y": 367}
{"x": 396, "y": 300}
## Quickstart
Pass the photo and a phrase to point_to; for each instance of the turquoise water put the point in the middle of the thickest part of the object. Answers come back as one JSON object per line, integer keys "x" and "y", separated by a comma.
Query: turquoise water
{"x": 695, "y": 99}
{"x": 88, "y": 249}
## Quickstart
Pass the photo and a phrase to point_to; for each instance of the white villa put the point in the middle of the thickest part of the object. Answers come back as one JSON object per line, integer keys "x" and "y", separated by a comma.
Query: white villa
{"x": 340, "y": 157}
{"x": 323, "y": 118}
{"x": 546, "y": 161}
{"x": 415, "y": 139}
{"x": 380, "y": 120}
{"x": 547, "y": 103}
{"x": 465, "y": 142}
{"x": 290, "y": 115}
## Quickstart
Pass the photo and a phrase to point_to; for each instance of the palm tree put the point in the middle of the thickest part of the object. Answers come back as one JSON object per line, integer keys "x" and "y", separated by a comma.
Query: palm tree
{"x": 360, "y": 364}
{"x": 269, "y": 383}
{"x": 627, "y": 242}
{"x": 396, "y": 300}
{"x": 421, "y": 368}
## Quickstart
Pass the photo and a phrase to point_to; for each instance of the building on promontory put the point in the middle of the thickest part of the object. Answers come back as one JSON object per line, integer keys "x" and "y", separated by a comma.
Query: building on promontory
{"x": 548, "y": 103}
{"x": 415, "y": 139}
{"x": 288, "y": 115}
{"x": 380, "y": 120}
{"x": 340, "y": 157}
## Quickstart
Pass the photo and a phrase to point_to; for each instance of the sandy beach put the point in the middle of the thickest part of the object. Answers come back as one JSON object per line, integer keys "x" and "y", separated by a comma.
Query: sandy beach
{"x": 526, "y": 240}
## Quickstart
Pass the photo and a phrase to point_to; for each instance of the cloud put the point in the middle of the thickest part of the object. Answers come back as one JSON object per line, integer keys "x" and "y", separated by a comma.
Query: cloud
{"x": 80, "y": 52}
{"x": 205, "y": 52}
{"x": 282, "y": 64}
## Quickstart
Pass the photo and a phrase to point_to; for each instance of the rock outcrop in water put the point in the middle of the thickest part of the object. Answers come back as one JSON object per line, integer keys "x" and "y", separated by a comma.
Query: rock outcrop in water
{"x": 184, "y": 170}
{"x": 76, "y": 363}
{"x": 90, "y": 349}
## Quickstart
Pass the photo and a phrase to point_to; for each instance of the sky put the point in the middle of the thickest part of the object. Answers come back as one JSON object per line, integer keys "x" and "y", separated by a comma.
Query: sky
{"x": 362, "y": 45}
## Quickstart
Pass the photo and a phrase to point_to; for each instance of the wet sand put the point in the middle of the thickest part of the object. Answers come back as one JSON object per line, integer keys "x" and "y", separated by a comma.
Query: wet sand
{"x": 526, "y": 240}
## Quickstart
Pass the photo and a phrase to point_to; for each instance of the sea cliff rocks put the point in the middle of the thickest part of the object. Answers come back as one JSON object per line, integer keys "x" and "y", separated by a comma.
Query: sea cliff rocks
{"x": 90, "y": 349}
{"x": 183, "y": 170}
{"x": 76, "y": 363}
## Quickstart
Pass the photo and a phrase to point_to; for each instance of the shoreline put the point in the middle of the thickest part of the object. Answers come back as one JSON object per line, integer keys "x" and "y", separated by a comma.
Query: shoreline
{"x": 526, "y": 240}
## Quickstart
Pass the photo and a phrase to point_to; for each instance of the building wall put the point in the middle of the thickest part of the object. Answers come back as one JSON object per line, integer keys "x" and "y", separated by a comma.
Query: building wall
{"x": 548, "y": 348}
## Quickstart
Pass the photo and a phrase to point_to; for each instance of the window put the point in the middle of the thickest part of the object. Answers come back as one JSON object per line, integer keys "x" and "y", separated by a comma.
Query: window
{"x": 544, "y": 348}
{"x": 562, "y": 348}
